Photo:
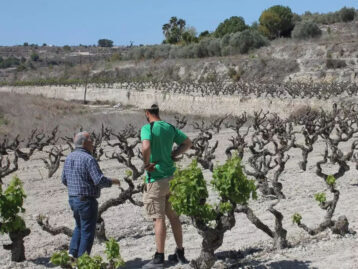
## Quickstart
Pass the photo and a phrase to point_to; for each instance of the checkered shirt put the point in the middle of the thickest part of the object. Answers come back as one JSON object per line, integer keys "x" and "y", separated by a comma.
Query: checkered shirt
{"x": 82, "y": 175}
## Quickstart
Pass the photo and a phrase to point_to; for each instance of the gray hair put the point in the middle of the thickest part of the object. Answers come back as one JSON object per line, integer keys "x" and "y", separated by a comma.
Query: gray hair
{"x": 80, "y": 139}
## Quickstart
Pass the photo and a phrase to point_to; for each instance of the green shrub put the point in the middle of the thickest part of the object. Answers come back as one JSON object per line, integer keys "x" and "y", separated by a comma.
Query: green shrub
{"x": 331, "y": 180}
{"x": 204, "y": 34}
{"x": 320, "y": 197}
{"x": 207, "y": 47}
{"x": 67, "y": 48}
{"x": 343, "y": 15}
{"x": 148, "y": 52}
{"x": 105, "y": 43}
{"x": 189, "y": 36}
{"x": 162, "y": 51}
{"x": 189, "y": 190}
{"x": 9, "y": 62}
{"x": 347, "y": 14}
{"x": 231, "y": 25}
{"x": 226, "y": 51}
{"x": 246, "y": 40}
{"x": 87, "y": 262}
{"x": 225, "y": 40}
{"x": 138, "y": 53}
{"x": 305, "y": 30}
{"x": 232, "y": 184}
{"x": 11, "y": 204}
{"x": 254, "y": 26}
{"x": 61, "y": 259}
{"x": 203, "y": 48}
{"x": 34, "y": 57}
{"x": 189, "y": 193}
{"x": 213, "y": 47}
{"x": 296, "y": 218}
{"x": 276, "y": 21}
{"x": 192, "y": 51}
{"x": 113, "y": 254}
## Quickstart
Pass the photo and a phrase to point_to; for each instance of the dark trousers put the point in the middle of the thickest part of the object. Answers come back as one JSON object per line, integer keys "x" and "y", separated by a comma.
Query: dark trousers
{"x": 85, "y": 213}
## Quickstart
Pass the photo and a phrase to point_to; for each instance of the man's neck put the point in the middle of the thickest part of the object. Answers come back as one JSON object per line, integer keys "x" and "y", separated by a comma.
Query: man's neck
{"x": 83, "y": 149}
{"x": 154, "y": 119}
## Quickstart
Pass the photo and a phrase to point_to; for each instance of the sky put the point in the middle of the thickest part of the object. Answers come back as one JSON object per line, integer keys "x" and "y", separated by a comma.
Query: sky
{"x": 74, "y": 22}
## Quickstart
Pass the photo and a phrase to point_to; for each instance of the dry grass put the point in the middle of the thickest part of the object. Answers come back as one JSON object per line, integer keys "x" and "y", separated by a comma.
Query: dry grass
{"x": 23, "y": 113}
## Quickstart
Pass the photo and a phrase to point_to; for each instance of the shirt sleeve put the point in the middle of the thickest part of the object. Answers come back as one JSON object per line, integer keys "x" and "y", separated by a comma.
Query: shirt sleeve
{"x": 145, "y": 133}
{"x": 97, "y": 176}
{"x": 63, "y": 177}
{"x": 179, "y": 136}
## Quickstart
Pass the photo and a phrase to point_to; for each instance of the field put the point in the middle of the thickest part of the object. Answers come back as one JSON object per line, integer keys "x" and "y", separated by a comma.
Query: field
{"x": 244, "y": 245}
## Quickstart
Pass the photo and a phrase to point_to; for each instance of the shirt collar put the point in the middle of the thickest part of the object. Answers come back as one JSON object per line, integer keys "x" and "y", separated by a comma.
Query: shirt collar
{"x": 83, "y": 150}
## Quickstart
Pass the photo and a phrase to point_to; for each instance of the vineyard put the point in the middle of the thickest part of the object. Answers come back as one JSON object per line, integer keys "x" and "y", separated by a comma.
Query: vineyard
{"x": 271, "y": 108}
{"x": 268, "y": 190}
{"x": 216, "y": 87}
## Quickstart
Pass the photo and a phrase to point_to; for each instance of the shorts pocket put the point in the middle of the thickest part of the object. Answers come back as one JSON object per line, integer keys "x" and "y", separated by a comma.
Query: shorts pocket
{"x": 150, "y": 208}
{"x": 148, "y": 187}
{"x": 153, "y": 190}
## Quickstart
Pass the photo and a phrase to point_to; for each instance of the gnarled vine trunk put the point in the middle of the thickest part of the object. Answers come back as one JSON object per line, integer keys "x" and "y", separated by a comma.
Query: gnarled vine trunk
{"x": 17, "y": 246}
{"x": 212, "y": 240}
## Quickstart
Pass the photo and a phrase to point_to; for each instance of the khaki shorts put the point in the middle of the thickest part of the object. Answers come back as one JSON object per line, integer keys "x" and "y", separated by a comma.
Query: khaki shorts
{"x": 155, "y": 199}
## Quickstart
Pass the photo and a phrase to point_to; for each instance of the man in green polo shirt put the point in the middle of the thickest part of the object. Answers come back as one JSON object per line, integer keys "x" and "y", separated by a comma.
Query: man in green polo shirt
{"x": 158, "y": 138}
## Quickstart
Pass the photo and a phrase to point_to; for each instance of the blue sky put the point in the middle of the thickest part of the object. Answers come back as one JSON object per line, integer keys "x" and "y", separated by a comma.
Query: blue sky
{"x": 73, "y": 22}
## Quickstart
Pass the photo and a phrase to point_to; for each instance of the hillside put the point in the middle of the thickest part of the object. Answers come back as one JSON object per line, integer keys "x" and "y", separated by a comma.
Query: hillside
{"x": 332, "y": 57}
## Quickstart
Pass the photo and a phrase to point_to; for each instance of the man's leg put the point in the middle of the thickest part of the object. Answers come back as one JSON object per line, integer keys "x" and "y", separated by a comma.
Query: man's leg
{"x": 88, "y": 214}
{"x": 76, "y": 235}
{"x": 154, "y": 203}
{"x": 160, "y": 234}
{"x": 176, "y": 226}
{"x": 174, "y": 220}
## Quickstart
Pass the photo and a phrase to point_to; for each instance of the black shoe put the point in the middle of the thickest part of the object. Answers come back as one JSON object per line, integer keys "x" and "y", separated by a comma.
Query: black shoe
{"x": 157, "y": 262}
{"x": 178, "y": 257}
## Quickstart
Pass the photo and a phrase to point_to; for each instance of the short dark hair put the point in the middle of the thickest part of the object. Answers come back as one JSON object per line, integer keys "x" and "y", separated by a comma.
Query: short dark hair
{"x": 154, "y": 110}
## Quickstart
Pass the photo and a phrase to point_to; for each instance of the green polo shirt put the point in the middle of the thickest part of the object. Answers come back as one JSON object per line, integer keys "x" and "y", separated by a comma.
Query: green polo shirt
{"x": 162, "y": 136}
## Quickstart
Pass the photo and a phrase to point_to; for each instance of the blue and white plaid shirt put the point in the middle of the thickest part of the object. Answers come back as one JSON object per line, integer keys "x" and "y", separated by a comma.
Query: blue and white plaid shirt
{"x": 82, "y": 175}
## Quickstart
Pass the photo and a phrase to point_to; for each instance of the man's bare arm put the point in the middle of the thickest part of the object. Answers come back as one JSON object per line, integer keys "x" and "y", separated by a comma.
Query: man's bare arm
{"x": 146, "y": 156}
{"x": 183, "y": 147}
{"x": 146, "y": 151}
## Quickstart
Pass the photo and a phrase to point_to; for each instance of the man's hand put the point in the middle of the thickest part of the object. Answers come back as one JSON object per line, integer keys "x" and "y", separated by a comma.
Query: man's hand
{"x": 150, "y": 167}
{"x": 176, "y": 158}
{"x": 183, "y": 147}
{"x": 116, "y": 181}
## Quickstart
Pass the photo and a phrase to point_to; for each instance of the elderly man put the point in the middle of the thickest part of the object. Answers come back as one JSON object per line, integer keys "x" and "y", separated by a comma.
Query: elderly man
{"x": 158, "y": 138}
{"x": 84, "y": 180}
